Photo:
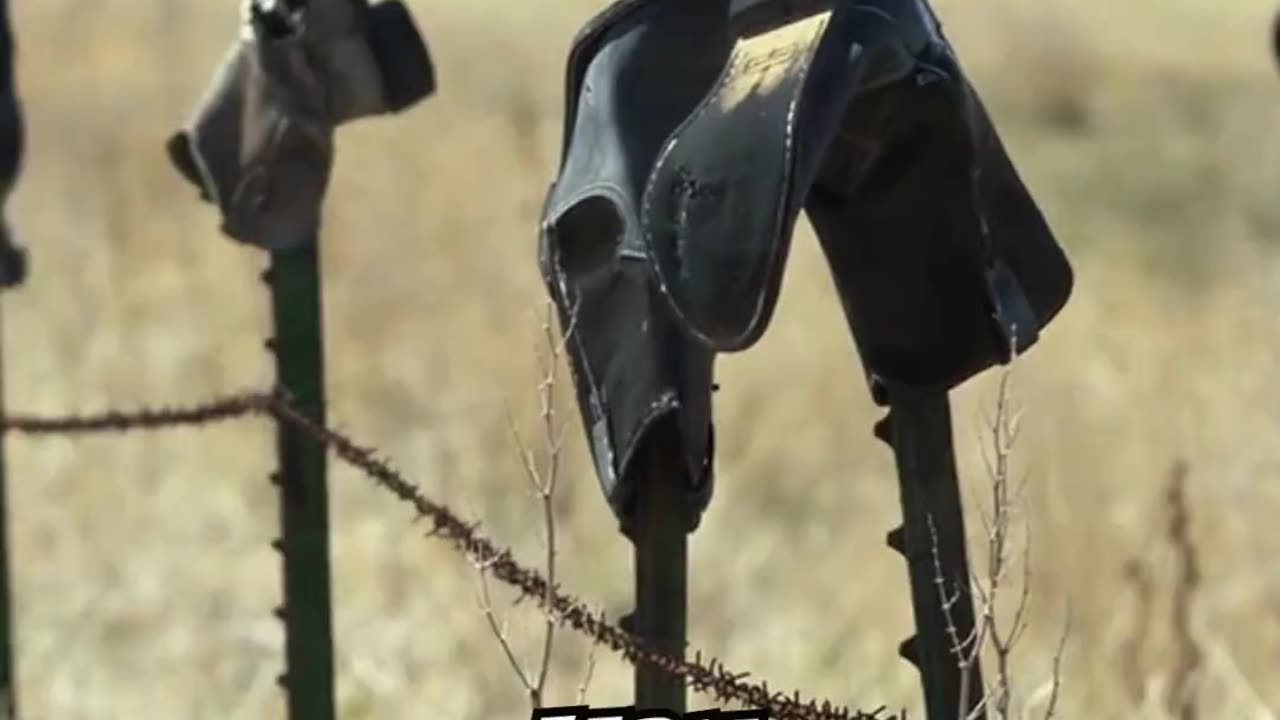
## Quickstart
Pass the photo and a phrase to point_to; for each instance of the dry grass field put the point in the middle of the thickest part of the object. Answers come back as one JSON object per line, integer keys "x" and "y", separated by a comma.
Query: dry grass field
{"x": 1149, "y": 130}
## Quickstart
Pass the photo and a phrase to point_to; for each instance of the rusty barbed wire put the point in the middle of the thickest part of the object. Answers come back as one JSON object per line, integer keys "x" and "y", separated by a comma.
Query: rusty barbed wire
{"x": 710, "y": 676}
{"x": 213, "y": 411}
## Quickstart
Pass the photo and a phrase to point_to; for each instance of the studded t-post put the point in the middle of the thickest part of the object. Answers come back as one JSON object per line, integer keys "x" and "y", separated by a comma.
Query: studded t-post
{"x": 298, "y": 346}
{"x": 260, "y": 146}
{"x": 13, "y": 270}
{"x": 932, "y": 540}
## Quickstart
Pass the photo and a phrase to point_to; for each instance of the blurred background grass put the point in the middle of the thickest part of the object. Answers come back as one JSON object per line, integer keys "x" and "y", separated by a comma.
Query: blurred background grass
{"x": 1147, "y": 129}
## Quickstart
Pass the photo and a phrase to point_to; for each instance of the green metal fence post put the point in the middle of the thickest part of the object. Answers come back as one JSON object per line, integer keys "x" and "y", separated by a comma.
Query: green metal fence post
{"x": 298, "y": 346}
{"x": 13, "y": 270}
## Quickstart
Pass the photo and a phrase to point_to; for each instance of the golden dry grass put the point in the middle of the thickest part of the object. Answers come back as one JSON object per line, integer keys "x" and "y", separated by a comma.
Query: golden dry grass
{"x": 1148, "y": 130}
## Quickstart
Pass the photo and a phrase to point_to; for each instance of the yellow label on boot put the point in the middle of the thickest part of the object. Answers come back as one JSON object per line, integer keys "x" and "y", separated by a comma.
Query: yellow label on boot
{"x": 760, "y": 64}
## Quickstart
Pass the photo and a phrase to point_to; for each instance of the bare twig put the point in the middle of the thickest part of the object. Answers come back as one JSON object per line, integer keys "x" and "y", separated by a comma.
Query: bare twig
{"x": 1189, "y": 659}
{"x": 1051, "y": 709}
{"x": 1004, "y": 433}
{"x": 552, "y": 443}
{"x": 499, "y": 629}
{"x": 587, "y": 672}
{"x": 966, "y": 649}
{"x": 542, "y": 478}
{"x": 1132, "y": 665}
{"x": 1003, "y": 429}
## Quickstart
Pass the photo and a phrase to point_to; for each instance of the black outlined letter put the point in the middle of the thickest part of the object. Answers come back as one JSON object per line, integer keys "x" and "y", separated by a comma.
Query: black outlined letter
{"x": 629, "y": 712}
{"x": 622, "y": 712}
{"x": 567, "y": 712}
{"x": 655, "y": 715}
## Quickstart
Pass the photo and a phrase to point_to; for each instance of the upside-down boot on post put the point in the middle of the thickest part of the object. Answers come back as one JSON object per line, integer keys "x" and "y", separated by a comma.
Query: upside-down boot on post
{"x": 858, "y": 114}
{"x": 260, "y": 144}
{"x": 945, "y": 267}
{"x": 13, "y": 270}
{"x": 261, "y": 148}
{"x": 643, "y": 386}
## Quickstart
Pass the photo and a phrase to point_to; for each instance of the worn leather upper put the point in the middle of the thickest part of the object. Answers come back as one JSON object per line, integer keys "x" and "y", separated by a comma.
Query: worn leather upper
{"x": 636, "y": 372}
{"x": 260, "y": 144}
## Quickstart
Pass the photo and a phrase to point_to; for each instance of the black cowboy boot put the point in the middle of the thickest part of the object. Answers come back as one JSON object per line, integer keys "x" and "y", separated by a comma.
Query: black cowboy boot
{"x": 635, "y": 71}
{"x": 859, "y": 114}
{"x": 644, "y": 387}
{"x": 692, "y": 144}
{"x": 945, "y": 267}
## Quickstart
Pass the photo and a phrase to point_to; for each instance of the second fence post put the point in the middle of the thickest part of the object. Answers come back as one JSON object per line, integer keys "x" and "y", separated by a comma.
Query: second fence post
{"x": 261, "y": 146}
